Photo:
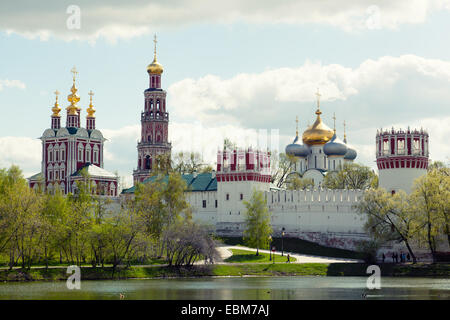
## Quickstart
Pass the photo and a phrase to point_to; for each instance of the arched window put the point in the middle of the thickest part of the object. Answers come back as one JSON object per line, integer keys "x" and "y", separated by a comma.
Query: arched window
{"x": 63, "y": 152}
{"x": 88, "y": 153}
{"x": 56, "y": 172}
{"x": 63, "y": 171}
{"x": 56, "y": 153}
{"x": 148, "y": 162}
{"x": 80, "y": 152}
{"x": 157, "y": 105}
{"x": 96, "y": 160}
{"x": 50, "y": 153}
{"x": 149, "y": 139}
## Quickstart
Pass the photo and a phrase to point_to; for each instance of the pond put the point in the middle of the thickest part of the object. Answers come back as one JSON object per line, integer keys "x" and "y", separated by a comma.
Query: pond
{"x": 229, "y": 288}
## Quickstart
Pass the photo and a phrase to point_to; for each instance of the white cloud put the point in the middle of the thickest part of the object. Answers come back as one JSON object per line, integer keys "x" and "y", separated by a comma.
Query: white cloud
{"x": 22, "y": 151}
{"x": 116, "y": 19}
{"x": 377, "y": 93}
{"x": 11, "y": 84}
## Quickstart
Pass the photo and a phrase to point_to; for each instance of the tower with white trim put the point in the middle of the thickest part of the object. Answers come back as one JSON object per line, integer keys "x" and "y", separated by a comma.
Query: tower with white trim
{"x": 402, "y": 157}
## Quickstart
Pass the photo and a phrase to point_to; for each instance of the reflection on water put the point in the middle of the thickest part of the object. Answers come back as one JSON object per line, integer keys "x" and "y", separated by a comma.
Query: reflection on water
{"x": 246, "y": 288}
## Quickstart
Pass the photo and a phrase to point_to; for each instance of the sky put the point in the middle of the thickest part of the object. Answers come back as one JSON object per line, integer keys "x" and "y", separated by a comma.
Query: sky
{"x": 232, "y": 69}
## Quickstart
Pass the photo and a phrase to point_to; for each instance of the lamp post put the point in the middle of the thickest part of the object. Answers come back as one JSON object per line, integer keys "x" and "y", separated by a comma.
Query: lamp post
{"x": 282, "y": 236}
{"x": 270, "y": 248}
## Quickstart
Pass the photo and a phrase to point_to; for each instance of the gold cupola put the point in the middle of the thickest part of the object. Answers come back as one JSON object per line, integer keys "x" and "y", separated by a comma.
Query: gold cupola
{"x": 155, "y": 67}
{"x": 73, "y": 98}
{"x": 56, "y": 109}
{"x": 319, "y": 133}
{"x": 90, "y": 110}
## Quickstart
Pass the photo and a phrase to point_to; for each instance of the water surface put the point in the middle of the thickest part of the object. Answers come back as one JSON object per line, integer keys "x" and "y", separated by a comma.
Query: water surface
{"x": 245, "y": 288}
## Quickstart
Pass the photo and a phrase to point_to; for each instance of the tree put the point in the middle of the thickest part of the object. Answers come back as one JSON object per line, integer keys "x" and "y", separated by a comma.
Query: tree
{"x": 351, "y": 176}
{"x": 257, "y": 219}
{"x": 187, "y": 242}
{"x": 295, "y": 182}
{"x": 430, "y": 202}
{"x": 389, "y": 217}
{"x": 80, "y": 220}
{"x": 281, "y": 167}
{"x": 189, "y": 162}
{"x": 160, "y": 202}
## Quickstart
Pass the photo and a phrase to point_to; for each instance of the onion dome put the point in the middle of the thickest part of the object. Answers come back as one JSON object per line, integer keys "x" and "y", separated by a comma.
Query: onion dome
{"x": 335, "y": 147}
{"x": 56, "y": 109}
{"x": 155, "y": 67}
{"x": 296, "y": 149}
{"x": 90, "y": 110}
{"x": 73, "y": 98}
{"x": 319, "y": 133}
{"x": 351, "y": 153}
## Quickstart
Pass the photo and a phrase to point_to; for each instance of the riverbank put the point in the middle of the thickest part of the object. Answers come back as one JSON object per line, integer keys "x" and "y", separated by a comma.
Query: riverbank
{"x": 255, "y": 269}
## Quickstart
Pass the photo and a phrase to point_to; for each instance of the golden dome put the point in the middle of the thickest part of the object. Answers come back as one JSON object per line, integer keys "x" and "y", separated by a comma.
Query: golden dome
{"x": 90, "y": 110}
{"x": 56, "y": 109}
{"x": 155, "y": 67}
{"x": 319, "y": 133}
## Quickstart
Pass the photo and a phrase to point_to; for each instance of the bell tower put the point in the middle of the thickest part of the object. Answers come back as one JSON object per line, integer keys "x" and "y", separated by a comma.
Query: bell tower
{"x": 154, "y": 123}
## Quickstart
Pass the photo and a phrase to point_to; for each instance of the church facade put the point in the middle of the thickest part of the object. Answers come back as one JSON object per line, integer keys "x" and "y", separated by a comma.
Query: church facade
{"x": 69, "y": 151}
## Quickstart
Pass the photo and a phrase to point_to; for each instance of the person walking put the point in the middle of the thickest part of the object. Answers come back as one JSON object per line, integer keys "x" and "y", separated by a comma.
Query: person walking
{"x": 383, "y": 257}
{"x": 393, "y": 257}
{"x": 408, "y": 257}
{"x": 288, "y": 258}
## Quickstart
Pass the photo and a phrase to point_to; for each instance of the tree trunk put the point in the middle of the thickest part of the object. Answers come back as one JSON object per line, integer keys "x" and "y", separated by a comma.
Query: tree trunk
{"x": 410, "y": 251}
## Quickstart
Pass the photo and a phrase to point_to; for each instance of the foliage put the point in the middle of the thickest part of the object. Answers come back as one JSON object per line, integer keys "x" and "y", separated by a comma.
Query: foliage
{"x": 389, "y": 217}
{"x": 257, "y": 222}
{"x": 431, "y": 206}
{"x": 188, "y": 242}
{"x": 351, "y": 176}
{"x": 295, "y": 182}
{"x": 369, "y": 248}
{"x": 38, "y": 228}
{"x": 190, "y": 162}
{"x": 281, "y": 166}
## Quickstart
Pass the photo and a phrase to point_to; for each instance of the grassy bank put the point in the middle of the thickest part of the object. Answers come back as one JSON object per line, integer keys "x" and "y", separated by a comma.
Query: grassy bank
{"x": 247, "y": 256}
{"x": 255, "y": 269}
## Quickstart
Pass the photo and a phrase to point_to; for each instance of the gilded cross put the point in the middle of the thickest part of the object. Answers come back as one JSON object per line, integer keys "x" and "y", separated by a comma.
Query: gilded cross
{"x": 75, "y": 72}
{"x": 334, "y": 121}
{"x": 91, "y": 94}
{"x": 296, "y": 125}
{"x": 155, "y": 41}
{"x": 318, "y": 95}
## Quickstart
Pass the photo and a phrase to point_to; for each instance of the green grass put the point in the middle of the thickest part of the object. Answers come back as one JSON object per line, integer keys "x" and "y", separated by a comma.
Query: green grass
{"x": 255, "y": 269}
{"x": 247, "y": 256}
{"x": 303, "y": 247}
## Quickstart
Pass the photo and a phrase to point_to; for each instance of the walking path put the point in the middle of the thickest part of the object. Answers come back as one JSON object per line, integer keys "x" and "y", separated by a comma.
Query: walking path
{"x": 225, "y": 252}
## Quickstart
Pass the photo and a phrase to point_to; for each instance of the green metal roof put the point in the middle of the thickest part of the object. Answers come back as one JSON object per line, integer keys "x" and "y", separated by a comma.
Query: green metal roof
{"x": 202, "y": 182}
{"x": 37, "y": 176}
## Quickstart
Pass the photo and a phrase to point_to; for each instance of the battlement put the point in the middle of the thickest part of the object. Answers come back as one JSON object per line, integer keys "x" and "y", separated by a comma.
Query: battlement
{"x": 382, "y": 132}
{"x": 402, "y": 149}
{"x": 243, "y": 165}
{"x": 314, "y": 196}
